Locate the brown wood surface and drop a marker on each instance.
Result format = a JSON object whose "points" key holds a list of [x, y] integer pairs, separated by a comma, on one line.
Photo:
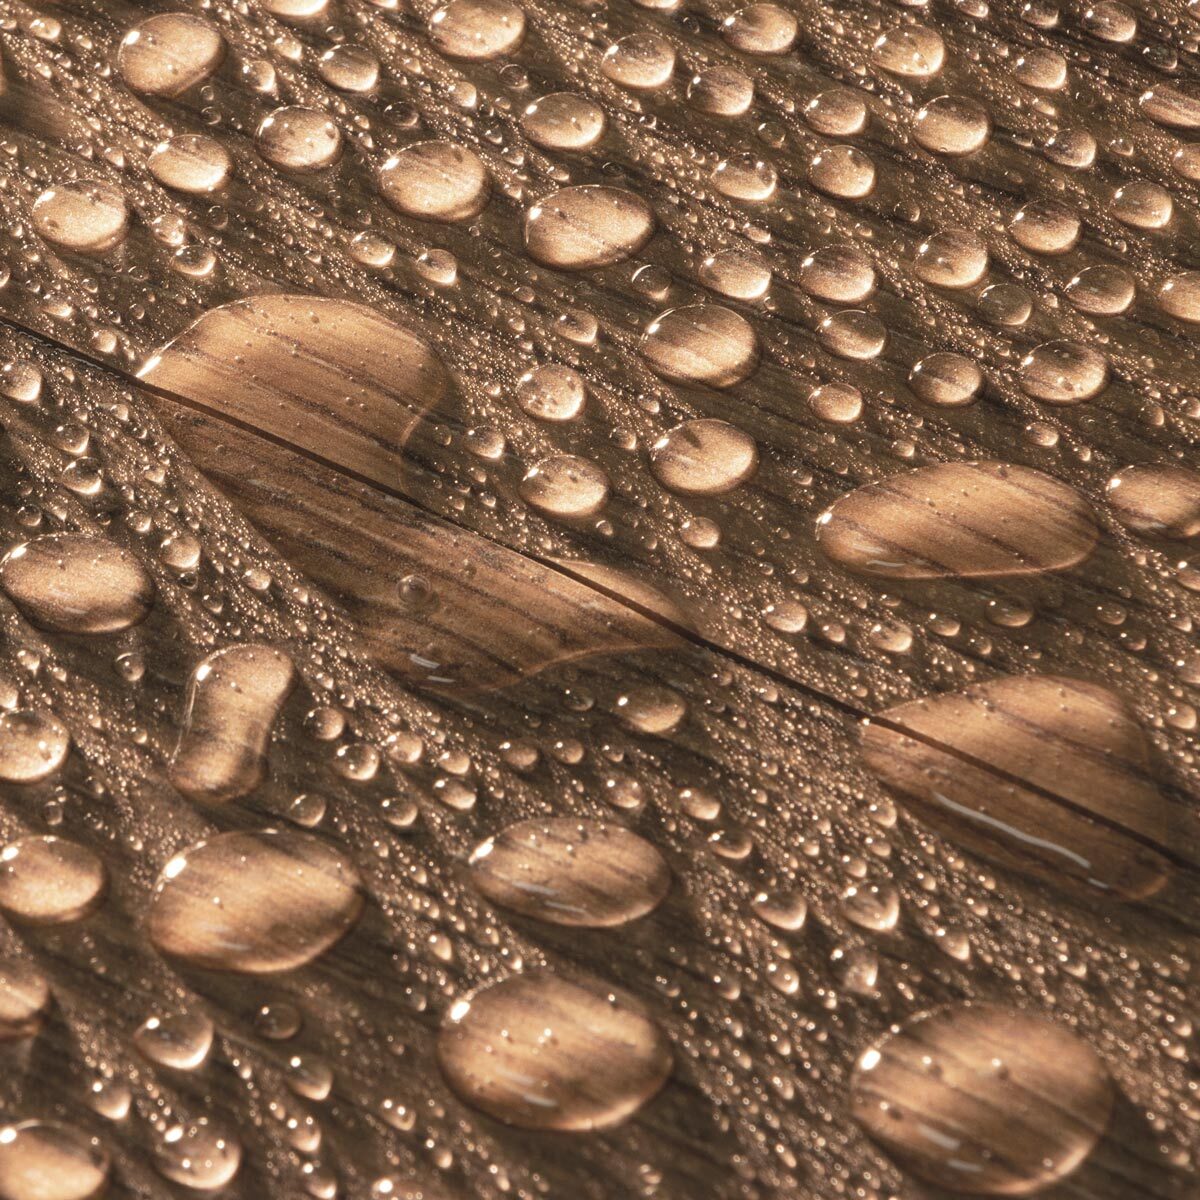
{"points": [[463, 662]]}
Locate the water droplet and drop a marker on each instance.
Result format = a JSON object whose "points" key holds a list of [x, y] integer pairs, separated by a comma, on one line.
{"points": [[964, 520], [234, 696], [1160, 500], [761, 29], [77, 583], [984, 1100], [652, 709], [254, 903], [165, 55], [639, 61], [436, 181], [565, 486], [571, 872], [915, 51], [563, 121], [180, 1041], [192, 163], [1063, 372], [704, 457], [43, 1160], [85, 217], [981, 762], [33, 745], [701, 343], [578, 228], [199, 1155], [552, 393], [298, 139], [951, 258], [25, 999], [947, 380], [45, 880], [540, 1053], [952, 125], [477, 30]]}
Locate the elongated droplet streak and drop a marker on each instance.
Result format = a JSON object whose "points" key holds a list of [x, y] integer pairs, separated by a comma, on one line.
{"points": [[983, 759], [984, 1100], [254, 903], [540, 1053], [233, 699], [981, 520], [571, 872]]}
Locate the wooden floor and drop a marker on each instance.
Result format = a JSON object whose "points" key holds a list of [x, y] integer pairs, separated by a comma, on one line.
{"points": [[634, 644]]}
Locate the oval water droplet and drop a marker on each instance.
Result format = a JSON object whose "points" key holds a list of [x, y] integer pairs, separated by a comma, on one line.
{"points": [[579, 228], [960, 520], [45, 880], [1160, 500], [436, 181], [571, 872], [33, 745], [701, 343], [985, 765], [539, 1052], [254, 903], [77, 583], [45, 1160], [704, 457], [167, 54], [984, 1100]]}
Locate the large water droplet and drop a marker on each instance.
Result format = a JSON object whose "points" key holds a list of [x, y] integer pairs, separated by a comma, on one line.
{"points": [[88, 218], [77, 583], [45, 880], [577, 228], [436, 181], [254, 902], [701, 343], [43, 1160], [985, 764], [959, 520], [33, 745], [704, 457], [541, 1053], [984, 1100], [169, 53], [477, 30], [571, 872]]}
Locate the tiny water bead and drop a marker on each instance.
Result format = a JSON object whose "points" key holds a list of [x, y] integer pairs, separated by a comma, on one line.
{"points": [[564, 121], [566, 486], [539, 1052], [46, 1160], [477, 30], [571, 872], [984, 1100], [77, 583], [1163, 501], [436, 181], [233, 698], [84, 217], [701, 343], [254, 903], [46, 880], [983, 765], [959, 520], [704, 457], [299, 139], [33, 745], [165, 55], [579, 228]]}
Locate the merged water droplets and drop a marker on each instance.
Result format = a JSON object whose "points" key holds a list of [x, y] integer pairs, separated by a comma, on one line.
{"points": [[960, 520], [255, 903], [984, 1100], [77, 583], [540, 1052], [571, 872], [233, 698], [578, 228]]}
